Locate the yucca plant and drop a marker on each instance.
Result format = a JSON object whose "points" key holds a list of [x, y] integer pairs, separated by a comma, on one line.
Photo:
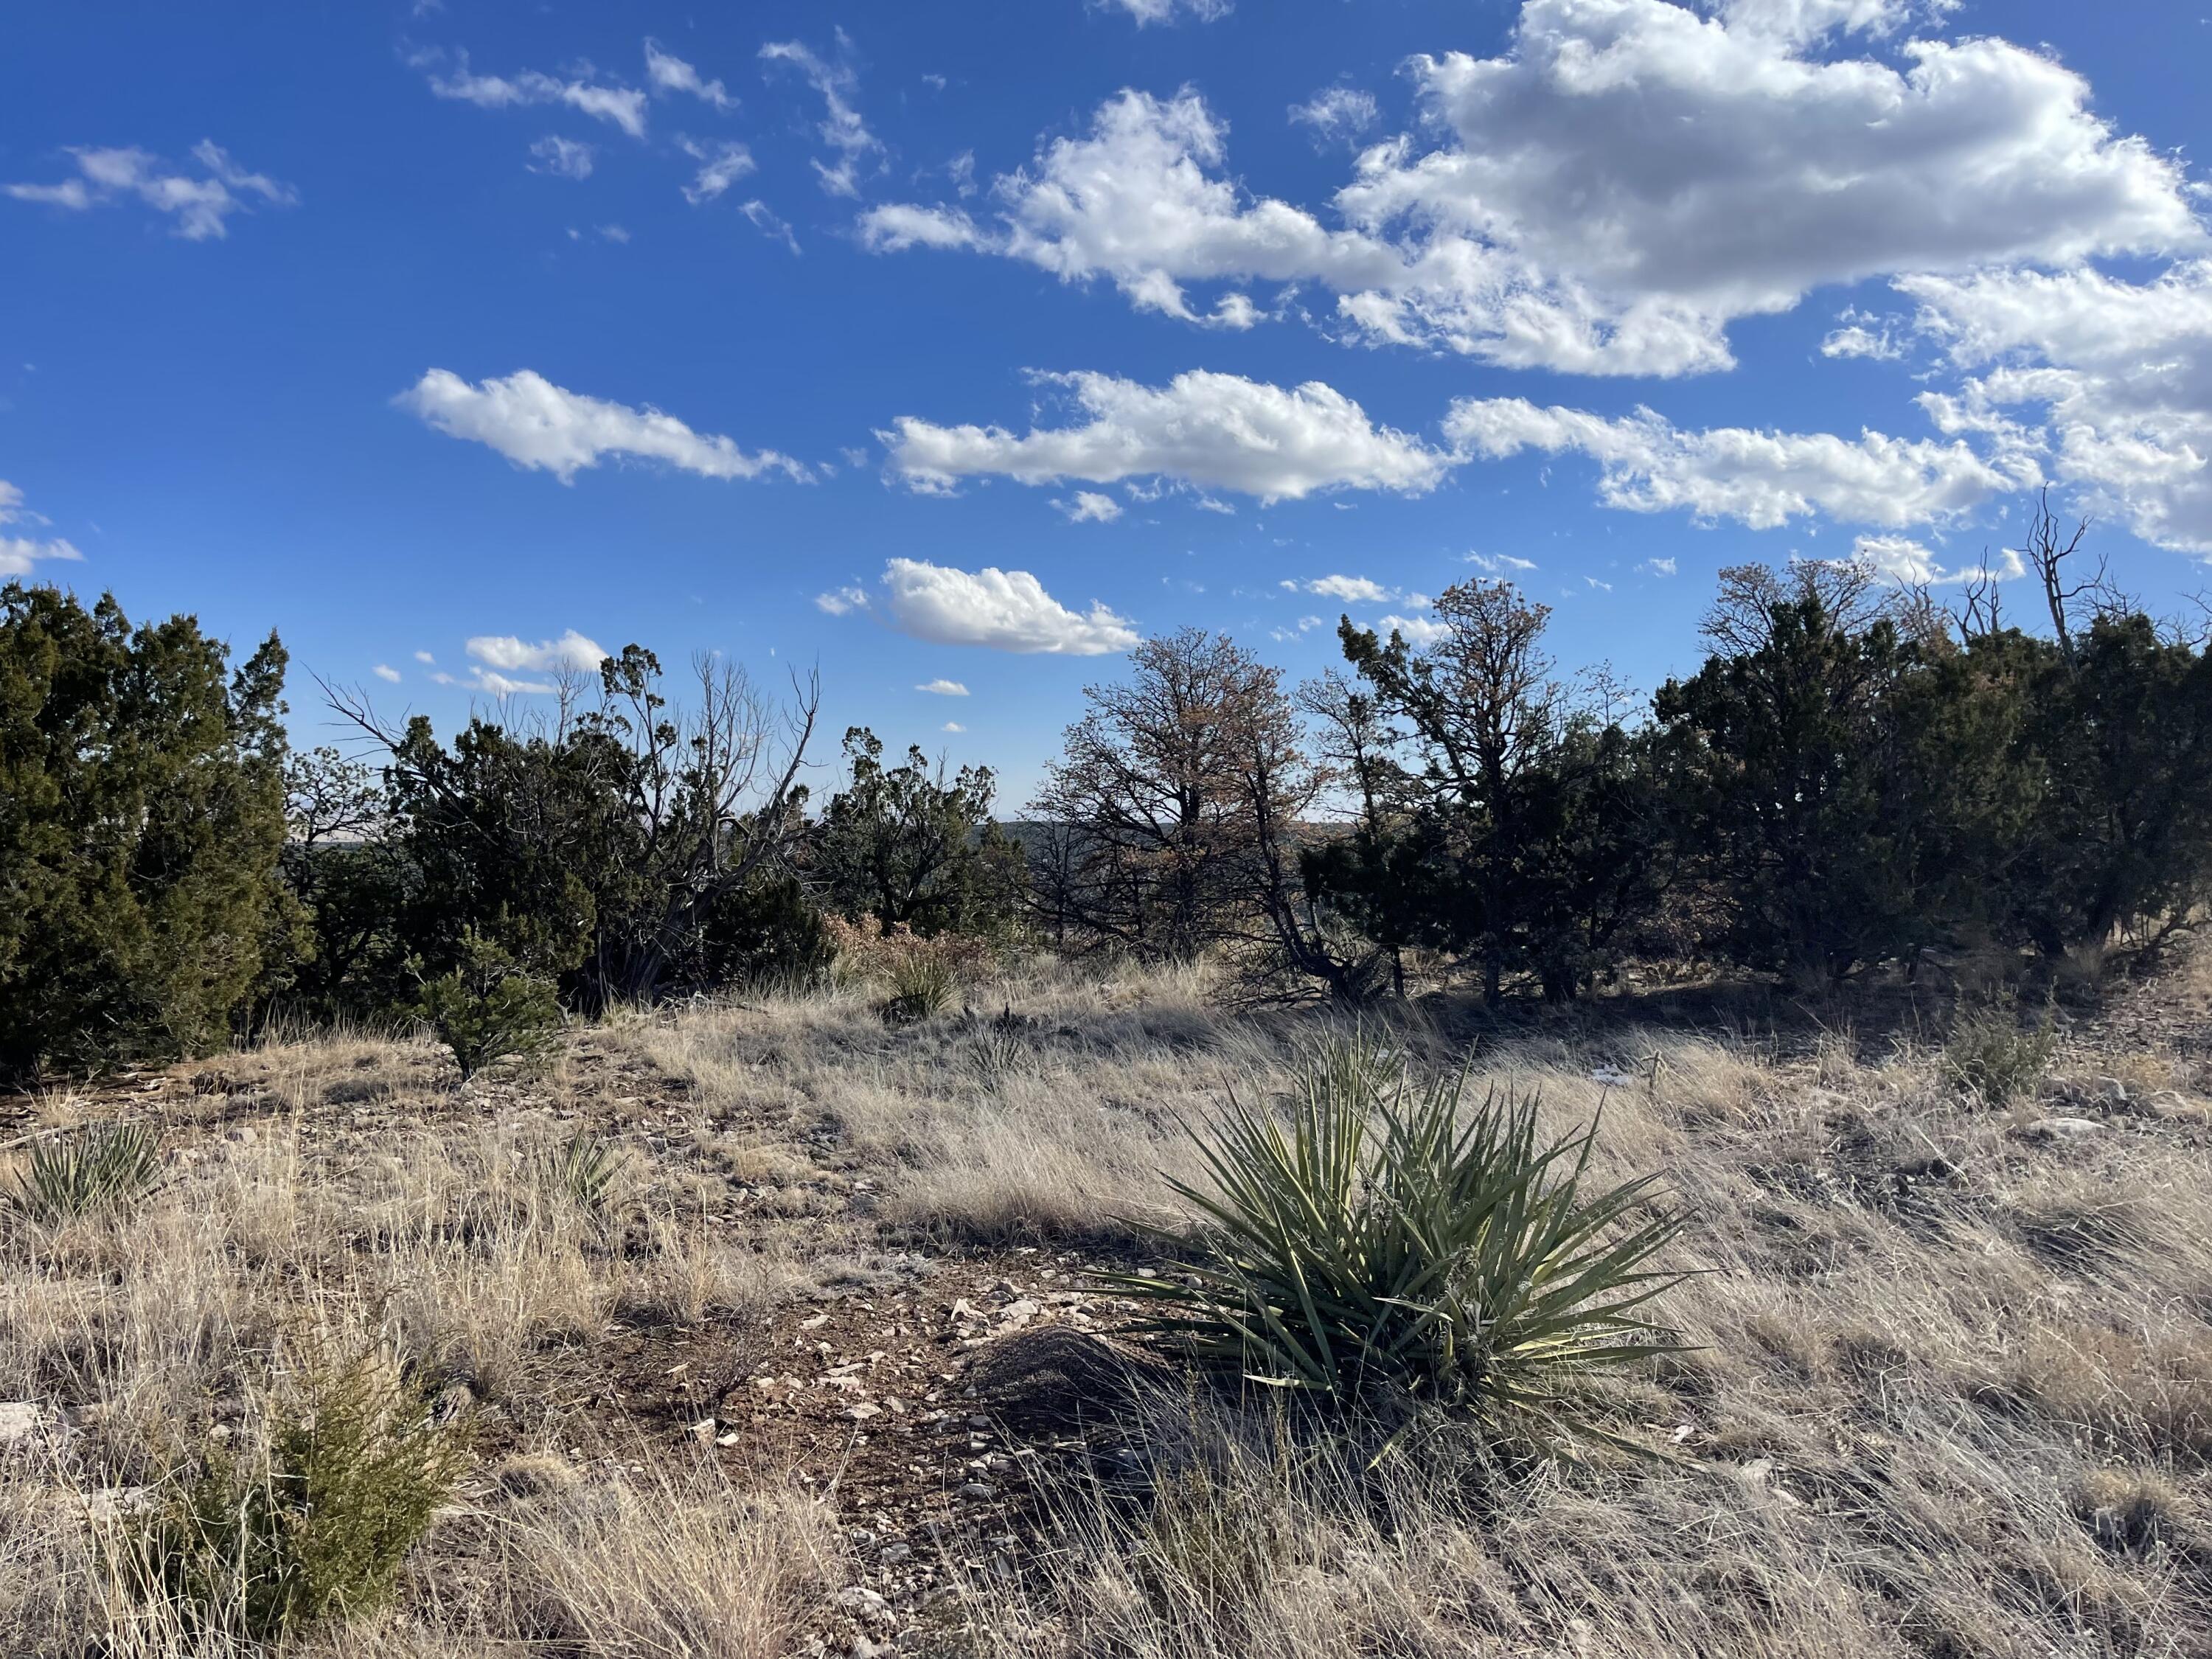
{"points": [[922, 983], [94, 1169], [590, 1168], [1374, 1237]]}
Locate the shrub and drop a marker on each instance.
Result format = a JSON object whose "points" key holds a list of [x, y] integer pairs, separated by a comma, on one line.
{"points": [[589, 1169], [1383, 1240], [1991, 1054], [925, 973], [93, 1170], [319, 1528], [488, 1009]]}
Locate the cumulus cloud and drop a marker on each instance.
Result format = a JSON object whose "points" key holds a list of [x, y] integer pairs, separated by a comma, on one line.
{"points": [[842, 130], [612, 102], [1089, 507], [507, 652], [19, 553], [1658, 567], [943, 689], [564, 157], [2110, 379], [1902, 560], [537, 424], [1135, 202], [197, 206], [1353, 590], [1760, 479], [1417, 630], [670, 73], [720, 165], [1003, 609], [1627, 178], [1337, 112], [1857, 334], [386, 672], [1209, 430], [999, 609], [954, 726]]}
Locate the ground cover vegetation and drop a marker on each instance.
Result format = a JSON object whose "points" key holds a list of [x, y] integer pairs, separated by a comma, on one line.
{"points": [[1443, 1159]]}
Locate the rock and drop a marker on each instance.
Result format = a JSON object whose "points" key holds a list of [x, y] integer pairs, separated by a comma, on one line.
{"points": [[702, 1430], [977, 1489], [863, 1412], [113, 1503], [19, 1421], [2064, 1128], [863, 1603]]}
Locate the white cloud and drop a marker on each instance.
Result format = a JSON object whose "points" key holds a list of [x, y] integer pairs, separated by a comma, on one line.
{"points": [[1417, 630], [1001, 609], [1499, 564], [1166, 11], [1627, 179], [897, 226], [1599, 587], [537, 424], [565, 157], [424, 657], [843, 601], [19, 553], [954, 726], [505, 652], [1658, 567], [622, 106], [1353, 590], [1132, 202], [1209, 430], [197, 206], [765, 221], [841, 128], [669, 73], [1860, 335], [386, 672], [1760, 479], [2113, 378], [1089, 507], [944, 689], [720, 165], [1337, 112], [1902, 560]]}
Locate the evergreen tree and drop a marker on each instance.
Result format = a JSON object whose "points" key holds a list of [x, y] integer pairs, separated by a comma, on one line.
{"points": [[141, 813]]}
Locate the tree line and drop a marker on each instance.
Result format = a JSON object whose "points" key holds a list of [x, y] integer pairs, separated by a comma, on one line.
{"points": [[1856, 775]]}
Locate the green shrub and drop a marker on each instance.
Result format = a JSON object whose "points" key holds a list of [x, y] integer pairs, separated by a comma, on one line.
{"points": [[1991, 1054], [93, 1170], [1383, 1240], [319, 1527], [488, 1009], [588, 1168]]}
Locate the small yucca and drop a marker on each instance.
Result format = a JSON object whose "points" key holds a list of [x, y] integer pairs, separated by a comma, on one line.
{"points": [[589, 1169], [1374, 1237], [93, 1170]]}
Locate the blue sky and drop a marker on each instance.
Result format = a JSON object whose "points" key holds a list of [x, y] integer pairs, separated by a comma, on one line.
{"points": [[960, 345]]}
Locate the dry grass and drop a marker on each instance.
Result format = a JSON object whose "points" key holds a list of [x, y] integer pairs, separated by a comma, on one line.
{"points": [[1953, 1395]]}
